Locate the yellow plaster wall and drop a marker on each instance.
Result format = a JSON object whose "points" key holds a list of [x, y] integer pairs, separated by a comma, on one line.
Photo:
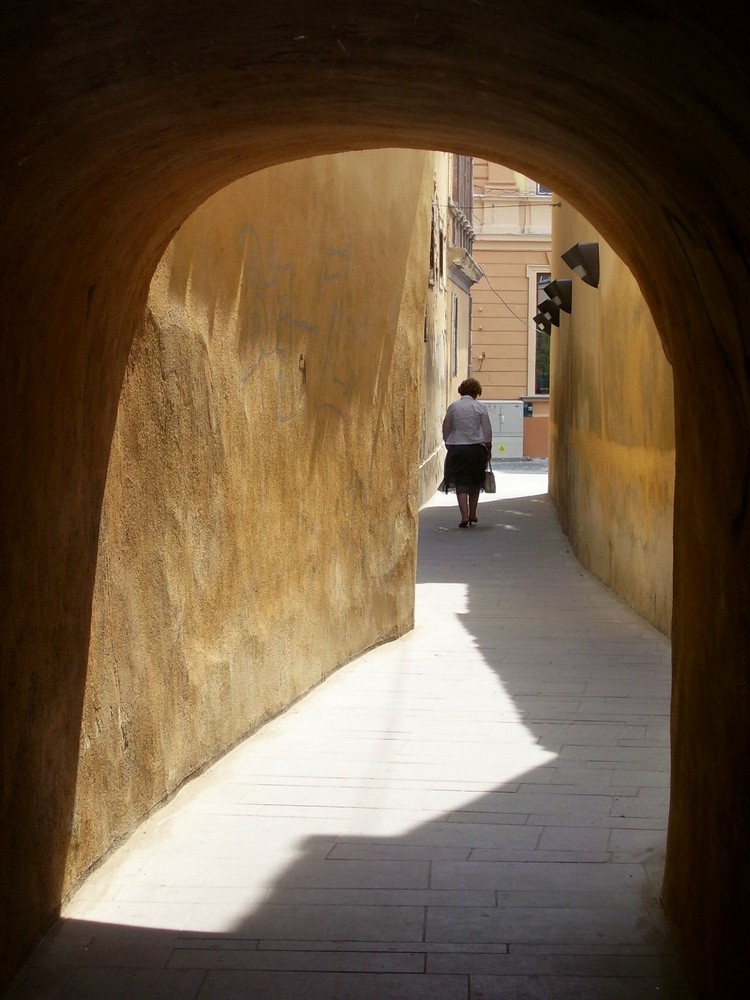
{"points": [[259, 517], [436, 347], [612, 429]]}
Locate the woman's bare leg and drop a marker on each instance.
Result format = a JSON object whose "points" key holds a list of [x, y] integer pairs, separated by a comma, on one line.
{"points": [[473, 501], [463, 506]]}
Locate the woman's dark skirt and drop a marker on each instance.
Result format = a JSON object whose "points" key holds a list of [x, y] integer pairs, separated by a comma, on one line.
{"points": [[464, 469]]}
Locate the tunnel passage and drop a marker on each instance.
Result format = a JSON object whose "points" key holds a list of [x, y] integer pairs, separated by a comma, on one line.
{"points": [[128, 120]]}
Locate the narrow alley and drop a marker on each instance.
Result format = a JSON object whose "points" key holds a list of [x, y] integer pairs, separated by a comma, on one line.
{"points": [[476, 810]]}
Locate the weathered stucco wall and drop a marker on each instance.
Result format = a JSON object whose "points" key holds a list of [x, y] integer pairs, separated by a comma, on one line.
{"points": [[612, 429], [446, 360], [259, 517], [436, 340]]}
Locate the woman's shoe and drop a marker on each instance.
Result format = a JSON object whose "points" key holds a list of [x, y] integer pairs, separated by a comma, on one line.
{"points": [[472, 520], [464, 524]]}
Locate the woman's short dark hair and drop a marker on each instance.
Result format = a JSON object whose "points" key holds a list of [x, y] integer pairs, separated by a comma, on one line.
{"points": [[470, 387]]}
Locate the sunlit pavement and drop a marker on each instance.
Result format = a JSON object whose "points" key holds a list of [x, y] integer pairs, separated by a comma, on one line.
{"points": [[476, 810]]}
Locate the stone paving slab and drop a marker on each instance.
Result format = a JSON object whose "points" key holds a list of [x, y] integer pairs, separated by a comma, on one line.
{"points": [[476, 811], [571, 988], [327, 986]]}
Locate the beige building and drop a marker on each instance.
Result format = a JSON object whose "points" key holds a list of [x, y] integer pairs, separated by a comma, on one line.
{"points": [[512, 222]]}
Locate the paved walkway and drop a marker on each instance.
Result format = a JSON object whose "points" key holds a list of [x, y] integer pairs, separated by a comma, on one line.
{"points": [[473, 812]]}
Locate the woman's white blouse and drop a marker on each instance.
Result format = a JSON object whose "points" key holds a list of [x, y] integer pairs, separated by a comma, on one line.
{"points": [[466, 422]]}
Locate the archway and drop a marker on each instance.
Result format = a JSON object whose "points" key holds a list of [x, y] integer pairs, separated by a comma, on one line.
{"points": [[125, 125]]}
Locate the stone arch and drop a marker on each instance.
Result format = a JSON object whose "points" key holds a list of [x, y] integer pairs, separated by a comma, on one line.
{"points": [[123, 122]]}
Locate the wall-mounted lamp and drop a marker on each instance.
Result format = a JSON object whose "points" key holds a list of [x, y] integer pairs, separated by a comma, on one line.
{"points": [[561, 293], [550, 310], [543, 323], [583, 258]]}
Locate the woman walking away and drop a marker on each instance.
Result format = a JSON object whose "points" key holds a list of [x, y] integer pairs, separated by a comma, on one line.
{"points": [[468, 438]]}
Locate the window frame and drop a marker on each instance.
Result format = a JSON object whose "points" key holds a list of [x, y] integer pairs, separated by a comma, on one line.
{"points": [[533, 273]]}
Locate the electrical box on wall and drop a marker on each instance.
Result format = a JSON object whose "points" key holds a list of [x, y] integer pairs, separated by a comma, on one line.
{"points": [[506, 419]]}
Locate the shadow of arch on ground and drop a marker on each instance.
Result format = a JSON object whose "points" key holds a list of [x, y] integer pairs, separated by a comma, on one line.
{"points": [[475, 810]]}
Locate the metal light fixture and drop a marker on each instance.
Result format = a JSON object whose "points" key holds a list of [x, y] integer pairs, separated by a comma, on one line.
{"points": [[583, 258], [543, 323], [550, 310], [561, 293]]}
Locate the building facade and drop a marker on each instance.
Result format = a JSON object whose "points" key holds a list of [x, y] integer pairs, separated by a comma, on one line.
{"points": [[453, 272], [612, 426], [256, 345], [509, 356]]}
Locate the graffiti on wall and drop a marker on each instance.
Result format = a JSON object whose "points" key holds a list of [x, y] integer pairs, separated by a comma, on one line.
{"points": [[307, 333]]}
